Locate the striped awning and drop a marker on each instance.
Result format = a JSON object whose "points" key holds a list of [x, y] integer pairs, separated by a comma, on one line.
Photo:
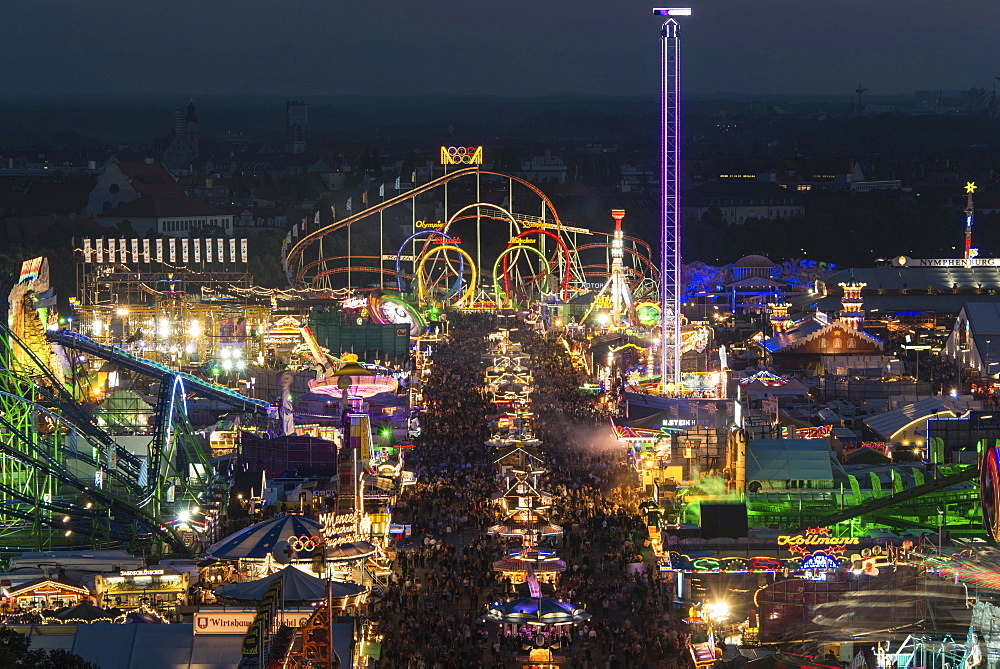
{"points": [[256, 541], [350, 551]]}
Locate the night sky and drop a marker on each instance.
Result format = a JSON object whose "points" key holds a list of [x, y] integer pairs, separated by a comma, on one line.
{"points": [[511, 48]]}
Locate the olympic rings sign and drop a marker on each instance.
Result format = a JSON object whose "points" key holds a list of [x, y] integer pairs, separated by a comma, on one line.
{"points": [[305, 543], [461, 155]]}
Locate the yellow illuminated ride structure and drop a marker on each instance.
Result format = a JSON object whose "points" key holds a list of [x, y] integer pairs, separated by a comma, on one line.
{"points": [[534, 255]]}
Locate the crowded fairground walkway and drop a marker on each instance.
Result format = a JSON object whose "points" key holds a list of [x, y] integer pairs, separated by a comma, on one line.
{"points": [[536, 478]]}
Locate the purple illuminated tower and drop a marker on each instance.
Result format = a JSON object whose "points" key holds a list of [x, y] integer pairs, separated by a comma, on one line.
{"points": [[670, 198]]}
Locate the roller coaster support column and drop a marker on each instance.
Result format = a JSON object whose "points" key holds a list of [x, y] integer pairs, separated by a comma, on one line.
{"points": [[670, 198]]}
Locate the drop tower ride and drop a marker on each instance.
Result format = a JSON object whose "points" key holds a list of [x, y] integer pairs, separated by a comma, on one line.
{"points": [[670, 198]]}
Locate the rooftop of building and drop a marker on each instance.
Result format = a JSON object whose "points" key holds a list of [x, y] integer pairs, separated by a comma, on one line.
{"points": [[754, 262], [150, 177], [163, 206], [809, 328]]}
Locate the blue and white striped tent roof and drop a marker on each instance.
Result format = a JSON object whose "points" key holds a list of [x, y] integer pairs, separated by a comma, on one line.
{"points": [[256, 541]]}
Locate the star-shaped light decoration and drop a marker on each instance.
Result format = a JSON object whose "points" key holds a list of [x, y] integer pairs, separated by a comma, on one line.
{"points": [[970, 187]]}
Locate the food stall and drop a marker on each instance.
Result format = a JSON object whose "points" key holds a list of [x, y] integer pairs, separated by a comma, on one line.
{"points": [[42, 593]]}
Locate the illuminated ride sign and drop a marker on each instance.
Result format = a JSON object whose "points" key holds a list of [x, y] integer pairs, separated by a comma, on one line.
{"points": [[816, 536], [820, 560], [461, 155]]}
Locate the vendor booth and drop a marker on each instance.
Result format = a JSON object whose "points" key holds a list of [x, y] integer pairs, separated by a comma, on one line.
{"points": [[43, 593], [161, 588]]}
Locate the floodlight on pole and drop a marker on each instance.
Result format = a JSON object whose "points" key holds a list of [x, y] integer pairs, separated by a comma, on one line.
{"points": [[670, 197]]}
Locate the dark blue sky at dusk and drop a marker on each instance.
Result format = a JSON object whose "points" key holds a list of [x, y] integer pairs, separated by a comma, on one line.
{"points": [[510, 48]]}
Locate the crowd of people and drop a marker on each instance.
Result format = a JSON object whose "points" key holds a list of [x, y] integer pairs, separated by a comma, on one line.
{"points": [[444, 577]]}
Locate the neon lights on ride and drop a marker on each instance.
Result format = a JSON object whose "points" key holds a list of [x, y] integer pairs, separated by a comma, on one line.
{"points": [[970, 253], [648, 313], [764, 564], [423, 295], [670, 197], [520, 238], [820, 560], [293, 259], [989, 492], [402, 247], [503, 296]]}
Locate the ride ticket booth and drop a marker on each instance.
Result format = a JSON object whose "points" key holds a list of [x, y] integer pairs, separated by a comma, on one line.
{"points": [[161, 588]]}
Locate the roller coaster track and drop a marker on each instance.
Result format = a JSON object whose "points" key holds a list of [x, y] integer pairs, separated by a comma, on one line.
{"points": [[906, 495], [173, 384], [297, 276], [36, 471], [155, 370], [40, 456]]}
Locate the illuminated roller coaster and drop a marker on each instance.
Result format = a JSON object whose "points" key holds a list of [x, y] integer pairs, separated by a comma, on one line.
{"points": [[65, 482], [515, 261]]}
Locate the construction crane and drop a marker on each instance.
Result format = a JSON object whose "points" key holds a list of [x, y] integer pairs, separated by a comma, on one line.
{"points": [[860, 91]]}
